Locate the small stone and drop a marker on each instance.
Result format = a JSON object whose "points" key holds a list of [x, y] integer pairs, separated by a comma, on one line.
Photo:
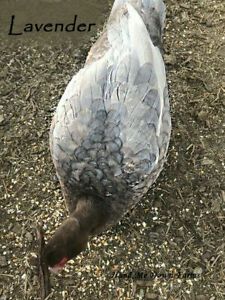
{"points": [[202, 189], [197, 271], [4, 89], [209, 23], [223, 195], [35, 280], [170, 59], [216, 207], [207, 256], [24, 276], [33, 261], [29, 237], [2, 119], [185, 5], [184, 16], [142, 294], [3, 74], [202, 115], [207, 162], [16, 229], [3, 262], [69, 281], [151, 296], [10, 227]]}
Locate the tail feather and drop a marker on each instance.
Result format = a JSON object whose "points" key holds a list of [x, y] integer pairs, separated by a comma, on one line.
{"points": [[153, 13]]}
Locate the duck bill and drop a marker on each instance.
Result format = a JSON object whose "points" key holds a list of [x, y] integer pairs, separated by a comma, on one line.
{"points": [[58, 267]]}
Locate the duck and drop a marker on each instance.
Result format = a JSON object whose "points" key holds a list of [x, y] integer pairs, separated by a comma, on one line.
{"points": [[110, 133]]}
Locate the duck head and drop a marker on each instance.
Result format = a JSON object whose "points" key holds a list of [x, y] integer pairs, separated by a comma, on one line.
{"points": [[67, 242], [89, 218]]}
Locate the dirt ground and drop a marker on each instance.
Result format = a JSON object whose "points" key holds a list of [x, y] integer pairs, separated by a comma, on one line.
{"points": [[178, 229]]}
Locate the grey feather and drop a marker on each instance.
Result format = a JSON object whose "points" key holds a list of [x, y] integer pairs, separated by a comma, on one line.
{"points": [[111, 129]]}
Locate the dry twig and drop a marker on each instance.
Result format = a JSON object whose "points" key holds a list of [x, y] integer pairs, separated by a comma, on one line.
{"points": [[44, 276]]}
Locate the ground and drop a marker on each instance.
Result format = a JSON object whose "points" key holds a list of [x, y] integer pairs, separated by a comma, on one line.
{"points": [[178, 229]]}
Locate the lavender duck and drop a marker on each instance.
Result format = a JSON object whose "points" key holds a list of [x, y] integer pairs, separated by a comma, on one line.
{"points": [[110, 133]]}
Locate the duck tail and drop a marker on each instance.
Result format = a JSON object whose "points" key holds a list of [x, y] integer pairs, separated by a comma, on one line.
{"points": [[153, 13]]}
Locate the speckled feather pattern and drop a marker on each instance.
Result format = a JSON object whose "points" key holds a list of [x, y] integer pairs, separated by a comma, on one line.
{"points": [[111, 130]]}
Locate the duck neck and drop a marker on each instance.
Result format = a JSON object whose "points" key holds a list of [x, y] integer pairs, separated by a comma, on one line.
{"points": [[92, 214]]}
